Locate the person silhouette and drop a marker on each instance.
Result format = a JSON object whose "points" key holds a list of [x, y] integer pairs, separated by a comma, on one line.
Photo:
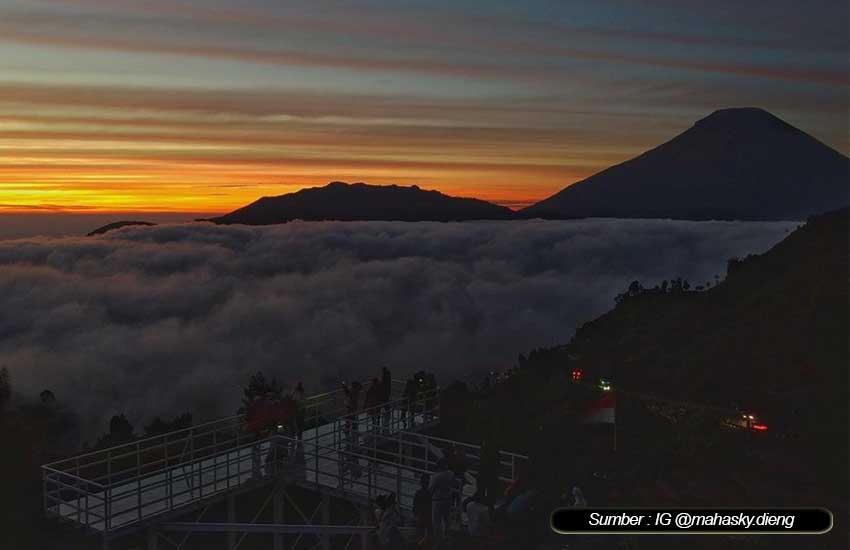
{"points": [[298, 398], [387, 387]]}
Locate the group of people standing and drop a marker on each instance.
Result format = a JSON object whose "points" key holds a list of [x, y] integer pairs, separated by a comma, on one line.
{"points": [[493, 508], [438, 495], [432, 508], [376, 402], [269, 414]]}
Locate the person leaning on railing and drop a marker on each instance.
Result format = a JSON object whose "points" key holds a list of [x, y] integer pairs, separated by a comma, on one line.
{"points": [[266, 416], [374, 396], [254, 423], [283, 421], [487, 480], [298, 399], [389, 521], [422, 513], [387, 389], [411, 391], [442, 486], [352, 404]]}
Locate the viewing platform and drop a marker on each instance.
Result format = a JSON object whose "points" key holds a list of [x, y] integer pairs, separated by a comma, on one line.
{"points": [[356, 457]]}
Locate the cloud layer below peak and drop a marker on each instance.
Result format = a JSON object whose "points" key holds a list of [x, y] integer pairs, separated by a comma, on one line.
{"points": [[155, 321]]}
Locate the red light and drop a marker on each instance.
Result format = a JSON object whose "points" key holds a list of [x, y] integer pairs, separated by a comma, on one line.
{"points": [[577, 374], [760, 427]]}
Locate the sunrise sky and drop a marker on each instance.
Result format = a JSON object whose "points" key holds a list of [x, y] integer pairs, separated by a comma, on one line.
{"points": [[204, 105]]}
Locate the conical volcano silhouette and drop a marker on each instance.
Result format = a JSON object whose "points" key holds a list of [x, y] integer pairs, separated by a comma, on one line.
{"points": [[742, 163]]}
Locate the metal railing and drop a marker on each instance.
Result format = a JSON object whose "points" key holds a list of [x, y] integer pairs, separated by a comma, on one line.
{"points": [[358, 445], [362, 454], [107, 507], [187, 444], [335, 457], [509, 464], [110, 488], [390, 417]]}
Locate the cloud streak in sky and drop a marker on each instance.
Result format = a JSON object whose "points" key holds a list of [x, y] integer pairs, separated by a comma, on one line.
{"points": [[154, 321], [477, 98]]}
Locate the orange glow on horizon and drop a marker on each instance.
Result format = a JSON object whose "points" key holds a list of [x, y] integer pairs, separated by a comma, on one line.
{"points": [[95, 201], [124, 149], [66, 185]]}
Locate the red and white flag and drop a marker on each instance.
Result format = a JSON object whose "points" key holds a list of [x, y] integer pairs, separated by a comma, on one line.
{"points": [[601, 411]]}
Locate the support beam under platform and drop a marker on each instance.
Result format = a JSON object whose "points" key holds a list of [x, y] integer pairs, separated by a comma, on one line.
{"points": [[266, 528], [277, 517], [326, 518], [231, 517]]}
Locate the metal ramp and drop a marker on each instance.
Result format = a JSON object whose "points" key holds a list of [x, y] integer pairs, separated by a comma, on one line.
{"points": [[110, 489], [355, 457]]}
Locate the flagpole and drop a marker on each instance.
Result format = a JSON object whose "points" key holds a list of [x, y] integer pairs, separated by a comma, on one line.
{"points": [[615, 425]]}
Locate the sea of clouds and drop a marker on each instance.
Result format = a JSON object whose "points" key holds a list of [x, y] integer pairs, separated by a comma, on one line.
{"points": [[160, 320]]}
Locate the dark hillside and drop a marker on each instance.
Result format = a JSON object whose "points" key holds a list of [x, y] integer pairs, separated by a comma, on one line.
{"points": [[771, 339], [773, 335]]}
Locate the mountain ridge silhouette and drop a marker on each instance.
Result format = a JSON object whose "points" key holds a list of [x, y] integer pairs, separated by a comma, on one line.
{"points": [[364, 202]]}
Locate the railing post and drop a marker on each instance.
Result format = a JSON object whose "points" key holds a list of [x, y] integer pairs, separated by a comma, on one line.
{"points": [[139, 480], [200, 477], [44, 498], [107, 519], [108, 493], [231, 518], [169, 488], [277, 517], [340, 462], [326, 519], [76, 483]]}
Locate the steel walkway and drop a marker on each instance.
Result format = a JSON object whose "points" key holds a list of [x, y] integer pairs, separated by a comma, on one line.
{"points": [[354, 457]]}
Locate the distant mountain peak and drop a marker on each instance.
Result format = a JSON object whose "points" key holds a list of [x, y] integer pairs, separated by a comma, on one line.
{"points": [[117, 225], [735, 164], [361, 201], [750, 119], [741, 112]]}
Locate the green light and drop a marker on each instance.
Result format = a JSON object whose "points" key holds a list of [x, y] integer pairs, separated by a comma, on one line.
{"points": [[604, 384]]}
